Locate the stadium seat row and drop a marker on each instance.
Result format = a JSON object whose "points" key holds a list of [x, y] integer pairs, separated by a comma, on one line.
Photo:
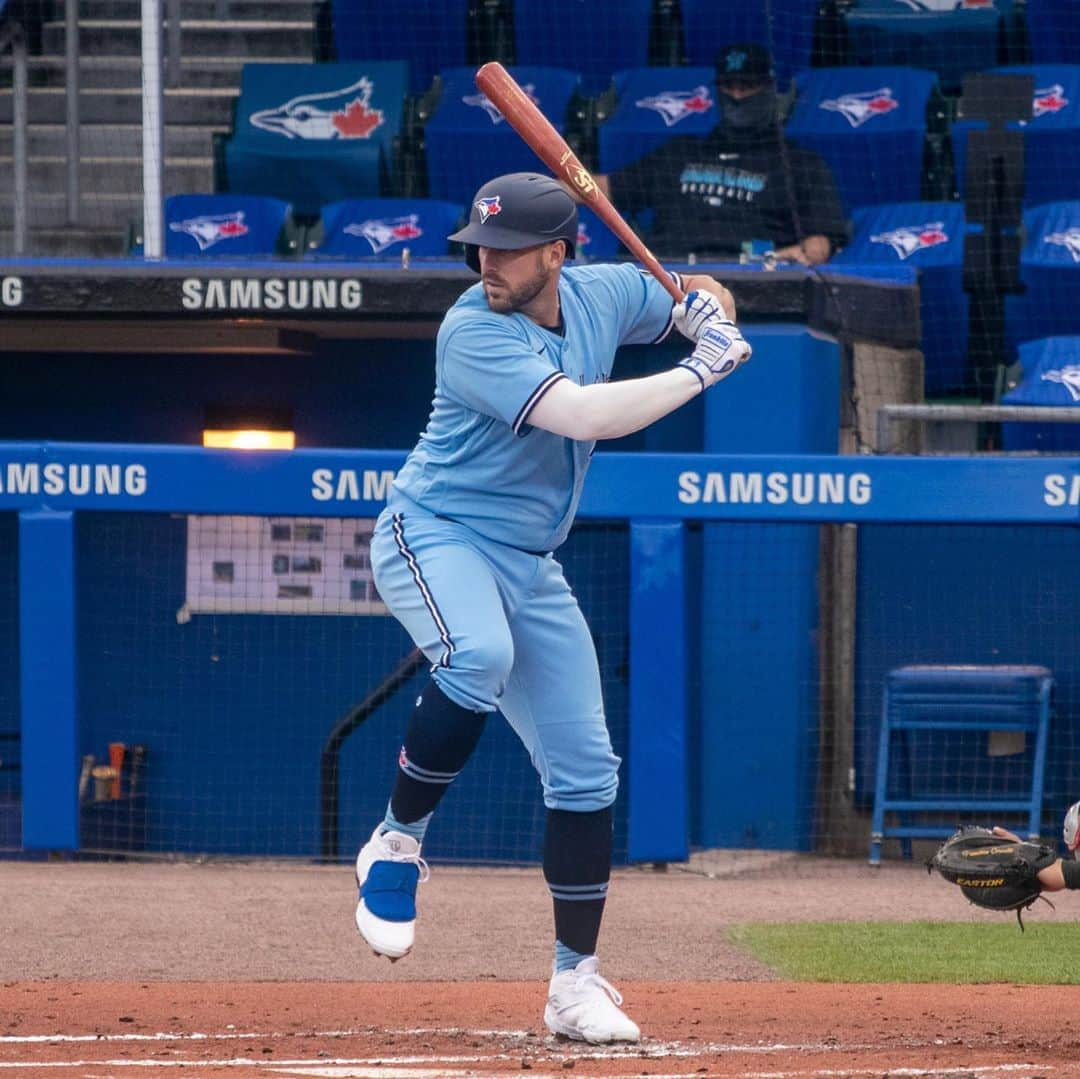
{"points": [[948, 37], [318, 133], [245, 227]]}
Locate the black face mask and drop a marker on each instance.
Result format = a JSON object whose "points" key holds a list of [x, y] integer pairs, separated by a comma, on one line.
{"points": [[753, 115]]}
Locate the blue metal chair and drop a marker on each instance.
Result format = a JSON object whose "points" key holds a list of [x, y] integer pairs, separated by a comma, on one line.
{"points": [[961, 699]]}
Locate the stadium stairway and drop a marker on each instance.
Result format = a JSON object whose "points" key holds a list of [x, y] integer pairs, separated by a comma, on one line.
{"points": [[217, 38]]}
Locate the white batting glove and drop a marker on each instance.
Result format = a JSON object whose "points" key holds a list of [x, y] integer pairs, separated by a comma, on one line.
{"points": [[698, 310], [719, 351]]}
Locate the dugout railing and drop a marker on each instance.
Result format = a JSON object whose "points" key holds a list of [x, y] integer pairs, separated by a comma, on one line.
{"points": [[677, 509]]}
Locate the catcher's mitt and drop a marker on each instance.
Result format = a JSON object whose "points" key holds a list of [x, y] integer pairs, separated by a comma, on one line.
{"points": [[995, 873]]}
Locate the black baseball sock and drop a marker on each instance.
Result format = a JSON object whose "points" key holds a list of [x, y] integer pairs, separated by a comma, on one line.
{"points": [[577, 865], [439, 739]]}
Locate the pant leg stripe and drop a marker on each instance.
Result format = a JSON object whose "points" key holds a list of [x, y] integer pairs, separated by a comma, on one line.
{"points": [[425, 775], [578, 892], [429, 600]]}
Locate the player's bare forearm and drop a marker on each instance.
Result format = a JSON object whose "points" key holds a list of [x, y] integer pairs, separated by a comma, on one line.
{"points": [[612, 409]]}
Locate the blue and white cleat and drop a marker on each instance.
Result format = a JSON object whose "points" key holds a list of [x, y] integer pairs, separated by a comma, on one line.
{"points": [[388, 869]]}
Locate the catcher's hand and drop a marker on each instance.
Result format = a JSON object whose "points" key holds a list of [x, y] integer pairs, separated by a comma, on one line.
{"points": [[993, 871]]}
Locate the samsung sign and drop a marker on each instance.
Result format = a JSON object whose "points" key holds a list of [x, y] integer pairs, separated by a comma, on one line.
{"points": [[775, 488], [271, 294], [54, 478]]}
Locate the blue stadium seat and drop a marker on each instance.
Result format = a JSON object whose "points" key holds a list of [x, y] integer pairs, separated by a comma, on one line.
{"points": [[315, 133], [930, 237], [652, 105], [595, 241], [595, 40], [1051, 136], [952, 42], [1051, 377], [224, 226], [382, 228], [709, 26], [1052, 31], [1050, 274], [870, 126], [428, 35], [930, 710], [467, 139]]}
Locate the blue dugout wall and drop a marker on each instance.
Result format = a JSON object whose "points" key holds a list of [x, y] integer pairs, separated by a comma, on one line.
{"points": [[662, 496]]}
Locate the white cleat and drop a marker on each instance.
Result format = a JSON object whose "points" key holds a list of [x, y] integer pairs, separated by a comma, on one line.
{"points": [[583, 1006], [388, 869]]}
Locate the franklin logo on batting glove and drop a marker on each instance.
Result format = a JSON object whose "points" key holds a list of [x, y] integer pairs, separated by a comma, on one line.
{"points": [[718, 353]]}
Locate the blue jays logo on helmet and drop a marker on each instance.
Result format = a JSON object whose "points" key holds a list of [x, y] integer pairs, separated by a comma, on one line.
{"points": [[209, 229], [482, 101], [858, 108], [335, 114], [488, 207], [908, 239], [676, 105], [1069, 377], [384, 232], [1069, 239], [1049, 100]]}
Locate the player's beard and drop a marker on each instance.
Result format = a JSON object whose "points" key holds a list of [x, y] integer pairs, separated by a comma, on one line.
{"points": [[514, 299]]}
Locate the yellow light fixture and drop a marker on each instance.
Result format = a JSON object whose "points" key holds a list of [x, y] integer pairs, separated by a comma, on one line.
{"points": [[249, 439]]}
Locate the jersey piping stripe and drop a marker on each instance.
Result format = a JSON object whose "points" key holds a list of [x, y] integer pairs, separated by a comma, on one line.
{"points": [[671, 321], [425, 592], [534, 399]]}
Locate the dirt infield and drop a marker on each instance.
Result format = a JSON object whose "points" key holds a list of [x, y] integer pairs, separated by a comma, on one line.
{"points": [[154, 970]]}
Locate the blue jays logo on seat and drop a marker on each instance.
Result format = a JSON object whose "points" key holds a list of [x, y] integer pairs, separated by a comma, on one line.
{"points": [[676, 105], [1069, 239], [858, 108], [384, 232], [482, 101], [209, 229], [928, 6], [1051, 99], [1068, 376], [488, 207], [334, 114], [908, 239]]}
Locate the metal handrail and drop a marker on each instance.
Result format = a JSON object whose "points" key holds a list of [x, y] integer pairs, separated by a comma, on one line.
{"points": [[968, 414]]}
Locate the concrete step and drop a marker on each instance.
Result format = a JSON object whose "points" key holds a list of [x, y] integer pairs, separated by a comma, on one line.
{"points": [[46, 105], [297, 10], [198, 37], [119, 174], [125, 72], [110, 140], [70, 242], [98, 210]]}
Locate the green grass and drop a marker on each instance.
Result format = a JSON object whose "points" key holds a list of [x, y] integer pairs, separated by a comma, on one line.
{"points": [[1047, 954]]}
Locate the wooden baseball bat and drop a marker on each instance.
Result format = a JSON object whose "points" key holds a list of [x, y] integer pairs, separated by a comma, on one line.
{"points": [[538, 133]]}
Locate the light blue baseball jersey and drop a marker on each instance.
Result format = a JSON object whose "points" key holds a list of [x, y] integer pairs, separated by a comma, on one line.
{"points": [[479, 462]]}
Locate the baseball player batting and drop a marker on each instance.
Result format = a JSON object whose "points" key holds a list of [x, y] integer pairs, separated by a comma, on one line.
{"points": [[463, 555]]}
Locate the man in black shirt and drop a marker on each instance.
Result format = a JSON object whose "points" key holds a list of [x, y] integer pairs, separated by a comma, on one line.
{"points": [[742, 182]]}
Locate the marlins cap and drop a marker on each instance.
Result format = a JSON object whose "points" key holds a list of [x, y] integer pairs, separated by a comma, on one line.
{"points": [[745, 63]]}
